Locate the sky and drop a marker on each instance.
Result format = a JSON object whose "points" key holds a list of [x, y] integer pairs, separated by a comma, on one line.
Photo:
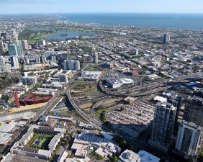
{"points": [[100, 6]]}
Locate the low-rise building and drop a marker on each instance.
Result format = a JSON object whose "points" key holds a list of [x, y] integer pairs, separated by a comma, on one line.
{"points": [[20, 146], [90, 75]]}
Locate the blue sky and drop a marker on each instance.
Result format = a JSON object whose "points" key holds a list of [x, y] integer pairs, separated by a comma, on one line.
{"points": [[100, 6]]}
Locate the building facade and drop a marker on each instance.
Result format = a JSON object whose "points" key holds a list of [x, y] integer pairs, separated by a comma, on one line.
{"points": [[15, 49], [24, 44], [193, 110], [29, 79], [166, 38], [163, 125], [189, 139], [71, 65], [95, 58], [42, 42], [14, 62]]}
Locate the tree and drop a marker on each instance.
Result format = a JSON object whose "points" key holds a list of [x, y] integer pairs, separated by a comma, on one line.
{"points": [[115, 159], [201, 154], [122, 108]]}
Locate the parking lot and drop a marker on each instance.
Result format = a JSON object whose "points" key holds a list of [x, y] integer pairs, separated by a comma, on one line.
{"points": [[133, 120]]}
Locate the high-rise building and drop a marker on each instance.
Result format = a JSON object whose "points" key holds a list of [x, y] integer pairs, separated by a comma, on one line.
{"points": [[95, 57], [162, 130], [71, 65], [24, 44], [2, 46], [189, 139], [134, 51], [193, 110], [14, 62], [63, 78], [15, 49], [42, 42], [166, 38], [43, 59], [2, 60]]}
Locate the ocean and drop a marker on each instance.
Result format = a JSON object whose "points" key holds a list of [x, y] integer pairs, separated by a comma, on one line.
{"points": [[177, 21]]}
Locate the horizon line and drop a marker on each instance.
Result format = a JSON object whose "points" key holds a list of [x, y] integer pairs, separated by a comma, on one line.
{"points": [[99, 13]]}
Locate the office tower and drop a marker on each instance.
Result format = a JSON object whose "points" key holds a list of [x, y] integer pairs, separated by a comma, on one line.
{"points": [[2, 46], [14, 62], [71, 65], [193, 110], [95, 58], [12, 49], [43, 59], [189, 139], [42, 42], [19, 48], [24, 44], [134, 51], [2, 61], [53, 57], [63, 78], [176, 102], [14, 35], [162, 130], [15, 49], [166, 38]]}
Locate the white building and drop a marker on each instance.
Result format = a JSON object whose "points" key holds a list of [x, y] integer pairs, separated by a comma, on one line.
{"points": [[24, 44], [90, 75], [129, 156], [62, 157]]}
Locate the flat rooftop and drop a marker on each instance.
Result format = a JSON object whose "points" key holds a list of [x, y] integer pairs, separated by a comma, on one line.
{"points": [[25, 116]]}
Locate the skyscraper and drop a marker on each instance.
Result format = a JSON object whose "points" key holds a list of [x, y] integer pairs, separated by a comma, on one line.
{"points": [[24, 44], [95, 58], [15, 49], [2, 46], [14, 62], [189, 139], [42, 42], [166, 38], [193, 110], [71, 65], [163, 125]]}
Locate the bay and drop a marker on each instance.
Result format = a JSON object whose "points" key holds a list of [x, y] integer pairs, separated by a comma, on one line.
{"points": [[177, 21]]}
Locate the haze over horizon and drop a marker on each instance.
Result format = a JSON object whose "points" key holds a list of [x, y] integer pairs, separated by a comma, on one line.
{"points": [[100, 6]]}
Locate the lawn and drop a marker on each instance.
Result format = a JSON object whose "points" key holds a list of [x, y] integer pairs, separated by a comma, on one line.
{"points": [[83, 88], [93, 68], [40, 141]]}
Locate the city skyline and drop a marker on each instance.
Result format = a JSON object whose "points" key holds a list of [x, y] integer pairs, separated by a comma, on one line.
{"points": [[100, 6]]}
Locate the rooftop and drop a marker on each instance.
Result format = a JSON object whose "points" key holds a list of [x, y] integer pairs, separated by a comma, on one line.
{"points": [[147, 157], [25, 116]]}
